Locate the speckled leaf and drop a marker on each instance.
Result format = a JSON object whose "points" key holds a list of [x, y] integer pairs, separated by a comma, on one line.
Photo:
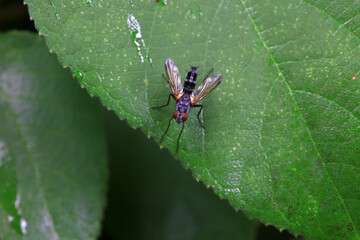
{"points": [[282, 131], [52, 147]]}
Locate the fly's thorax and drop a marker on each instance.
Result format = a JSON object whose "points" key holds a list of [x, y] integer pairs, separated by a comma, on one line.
{"points": [[184, 105]]}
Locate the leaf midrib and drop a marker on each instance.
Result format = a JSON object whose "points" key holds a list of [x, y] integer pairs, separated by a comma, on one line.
{"points": [[13, 115], [300, 112]]}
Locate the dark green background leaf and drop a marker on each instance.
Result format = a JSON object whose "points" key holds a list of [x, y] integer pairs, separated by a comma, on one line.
{"points": [[52, 147], [282, 131], [152, 197]]}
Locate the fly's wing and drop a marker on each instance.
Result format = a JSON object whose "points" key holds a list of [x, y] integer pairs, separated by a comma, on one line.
{"points": [[205, 88], [173, 75]]}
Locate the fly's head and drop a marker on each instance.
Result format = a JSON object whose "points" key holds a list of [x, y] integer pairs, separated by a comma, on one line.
{"points": [[179, 116]]}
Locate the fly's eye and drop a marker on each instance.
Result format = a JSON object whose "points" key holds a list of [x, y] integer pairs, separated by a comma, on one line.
{"points": [[175, 114], [184, 116]]}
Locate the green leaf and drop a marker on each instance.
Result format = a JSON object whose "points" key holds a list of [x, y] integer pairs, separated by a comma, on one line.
{"points": [[52, 147], [162, 201], [282, 131]]}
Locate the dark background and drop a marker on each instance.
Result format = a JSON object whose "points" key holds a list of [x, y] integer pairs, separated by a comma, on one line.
{"points": [[143, 177]]}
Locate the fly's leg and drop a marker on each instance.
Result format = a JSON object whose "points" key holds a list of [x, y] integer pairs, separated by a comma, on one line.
{"points": [[162, 138], [171, 95], [210, 72], [198, 115], [177, 146], [165, 78]]}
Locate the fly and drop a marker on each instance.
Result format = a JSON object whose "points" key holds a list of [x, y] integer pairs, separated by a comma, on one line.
{"points": [[185, 96]]}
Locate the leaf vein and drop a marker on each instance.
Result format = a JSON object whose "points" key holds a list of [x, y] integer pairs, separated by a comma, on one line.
{"points": [[299, 111]]}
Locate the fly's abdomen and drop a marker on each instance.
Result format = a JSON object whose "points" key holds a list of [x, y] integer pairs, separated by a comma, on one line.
{"points": [[190, 81]]}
